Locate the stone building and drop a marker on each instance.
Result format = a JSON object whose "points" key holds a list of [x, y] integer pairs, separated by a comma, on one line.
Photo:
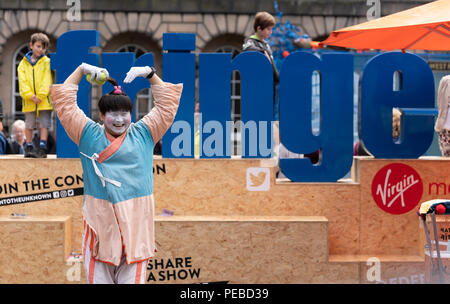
{"points": [[138, 26]]}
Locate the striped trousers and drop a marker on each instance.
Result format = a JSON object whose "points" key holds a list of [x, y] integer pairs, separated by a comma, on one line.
{"points": [[98, 272]]}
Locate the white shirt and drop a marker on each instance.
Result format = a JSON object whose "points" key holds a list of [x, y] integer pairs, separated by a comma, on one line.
{"points": [[447, 120]]}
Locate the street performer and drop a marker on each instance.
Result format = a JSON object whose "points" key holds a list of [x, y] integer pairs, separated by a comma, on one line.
{"points": [[117, 161]]}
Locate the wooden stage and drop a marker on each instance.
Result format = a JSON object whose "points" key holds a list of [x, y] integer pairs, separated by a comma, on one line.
{"points": [[211, 228]]}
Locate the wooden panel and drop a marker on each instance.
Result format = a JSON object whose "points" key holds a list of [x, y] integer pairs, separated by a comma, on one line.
{"points": [[24, 177], [383, 233], [357, 227], [34, 249], [244, 249], [219, 187]]}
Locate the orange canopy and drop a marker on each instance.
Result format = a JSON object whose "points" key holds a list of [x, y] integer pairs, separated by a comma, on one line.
{"points": [[426, 27]]}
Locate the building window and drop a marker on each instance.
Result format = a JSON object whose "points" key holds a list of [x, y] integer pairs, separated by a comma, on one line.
{"points": [[235, 99], [144, 98], [16, 100]]}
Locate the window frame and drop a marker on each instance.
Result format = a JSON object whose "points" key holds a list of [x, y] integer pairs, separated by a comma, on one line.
{"points": [[15, 92]]}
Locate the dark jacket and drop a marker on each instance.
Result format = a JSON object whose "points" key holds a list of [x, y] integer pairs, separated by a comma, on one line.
{"points": [[14, 147], [3, 143], [252, 43]]}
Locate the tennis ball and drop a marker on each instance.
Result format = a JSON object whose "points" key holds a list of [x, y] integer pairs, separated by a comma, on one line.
{"points": [[99, 82]]}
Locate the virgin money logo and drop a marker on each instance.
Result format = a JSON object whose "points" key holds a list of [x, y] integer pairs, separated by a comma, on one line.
{"points": [[397, 188]]}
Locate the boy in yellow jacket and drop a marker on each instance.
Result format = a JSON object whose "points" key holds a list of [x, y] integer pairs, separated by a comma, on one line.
{"points": [[34, 85]]}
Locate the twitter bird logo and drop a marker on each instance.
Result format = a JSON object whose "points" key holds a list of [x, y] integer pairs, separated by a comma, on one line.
{"points": [[258, 179]]}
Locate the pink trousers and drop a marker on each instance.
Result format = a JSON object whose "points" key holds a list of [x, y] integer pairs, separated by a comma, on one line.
{"points": [[103, 273]]}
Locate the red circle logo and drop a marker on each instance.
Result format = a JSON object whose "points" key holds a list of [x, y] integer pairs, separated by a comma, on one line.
{"points": [[397, 188]]}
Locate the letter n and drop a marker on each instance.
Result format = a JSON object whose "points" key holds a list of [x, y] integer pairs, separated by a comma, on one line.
{"points": [[179, 67], [215, 70]]}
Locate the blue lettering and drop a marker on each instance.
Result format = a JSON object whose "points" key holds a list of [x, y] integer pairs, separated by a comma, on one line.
{"points": [[378, 98], [179, 67], [72, 49], [335, 140], [414, 97]]}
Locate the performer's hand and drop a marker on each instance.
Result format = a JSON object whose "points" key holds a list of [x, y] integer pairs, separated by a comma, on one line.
{"points": [[137, 72], [93, 70]]}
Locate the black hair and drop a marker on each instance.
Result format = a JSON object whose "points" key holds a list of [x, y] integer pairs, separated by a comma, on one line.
{"points": [[115, 101]]}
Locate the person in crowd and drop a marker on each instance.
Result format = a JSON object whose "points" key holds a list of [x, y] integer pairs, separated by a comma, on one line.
{"points": [[396, 116], [263, 25], [50, 147], [17, 139], [34, 81], [442, 125]]}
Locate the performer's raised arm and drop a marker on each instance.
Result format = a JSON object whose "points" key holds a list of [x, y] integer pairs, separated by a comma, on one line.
{"points": [[166, 98], [64, 98]]}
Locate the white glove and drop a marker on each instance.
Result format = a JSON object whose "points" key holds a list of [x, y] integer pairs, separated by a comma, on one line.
{"points": [[137, 72], [93, 70]]}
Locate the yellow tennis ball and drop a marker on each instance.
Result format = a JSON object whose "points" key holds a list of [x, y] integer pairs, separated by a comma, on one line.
{"points": [[99, 82]]}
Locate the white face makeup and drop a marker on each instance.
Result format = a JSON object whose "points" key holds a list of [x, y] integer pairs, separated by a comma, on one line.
{"points": [[117, 122]]}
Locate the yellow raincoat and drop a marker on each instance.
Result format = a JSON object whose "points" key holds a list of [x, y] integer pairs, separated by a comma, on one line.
{"points": [[35, 80]]}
